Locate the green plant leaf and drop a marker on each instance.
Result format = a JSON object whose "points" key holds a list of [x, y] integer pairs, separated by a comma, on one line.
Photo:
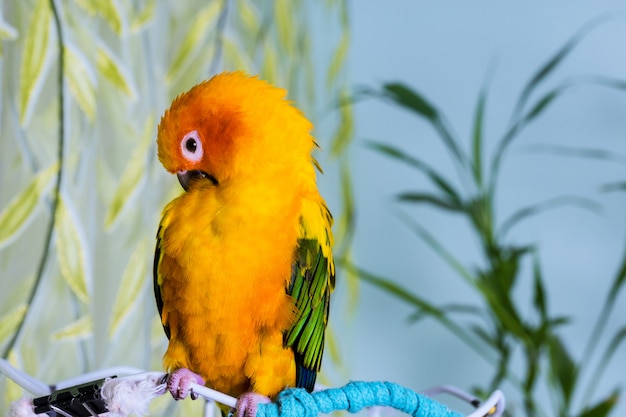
{"points": [[428, 198], [133, 282], [420, 165], [234, 56], [35, 58], [80, 329], [16, 215], [550, 204], [504, 311], [605, 360], [411, 100], [552, 63], [10, 320], [113, 71], [269, 67], [563, 369], [345, 129], [587, 153], [416, 103], [249, 16], [107, 10], [439, 249], [477, 137], [81, 80], [133, 177], [196, 36], [614, 186], [423, 305], [603, 408], [454, 308], [284, 25], [71, 253], [144, 16], [338, 59], [539, 296]]}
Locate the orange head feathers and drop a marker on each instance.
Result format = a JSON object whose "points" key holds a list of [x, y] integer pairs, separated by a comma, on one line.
{"points": [[220, 128]]}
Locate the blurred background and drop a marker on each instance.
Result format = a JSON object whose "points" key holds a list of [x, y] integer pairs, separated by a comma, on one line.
{"points": [[412, 102]]}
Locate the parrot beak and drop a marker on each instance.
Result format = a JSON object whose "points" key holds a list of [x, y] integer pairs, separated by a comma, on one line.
{"points": [[187, 177]]}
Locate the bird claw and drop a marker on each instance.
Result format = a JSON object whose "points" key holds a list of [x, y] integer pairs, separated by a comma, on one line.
{"points": [[179, 383], [248, 403]]}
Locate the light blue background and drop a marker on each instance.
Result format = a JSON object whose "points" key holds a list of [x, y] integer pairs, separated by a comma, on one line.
{"points": [[445, 49]]}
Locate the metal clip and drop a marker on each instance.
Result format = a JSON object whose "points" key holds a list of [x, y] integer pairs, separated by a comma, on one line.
{"points": [[78, 401]]}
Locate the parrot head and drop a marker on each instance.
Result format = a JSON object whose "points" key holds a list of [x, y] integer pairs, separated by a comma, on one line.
{"points": [[231, 127]]}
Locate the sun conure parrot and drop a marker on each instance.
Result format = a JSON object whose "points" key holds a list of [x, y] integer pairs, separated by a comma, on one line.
{"points": [[243, 269]]}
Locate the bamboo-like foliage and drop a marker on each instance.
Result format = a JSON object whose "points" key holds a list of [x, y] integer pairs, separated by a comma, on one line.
{"points": [[84, 83], [499, 327]]}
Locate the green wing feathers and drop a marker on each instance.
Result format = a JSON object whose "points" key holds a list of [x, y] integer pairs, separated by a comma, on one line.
{"points": [[312, 281]]}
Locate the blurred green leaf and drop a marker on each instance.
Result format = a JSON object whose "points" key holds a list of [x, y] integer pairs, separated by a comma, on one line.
{"points": [[550, 204], [113, 70], [145, 15], [423, 305], [614, 186], [439, 249], [563, 369], [503, 309], [269, 67], [539, 297], [345, 129], [78, 330], [618, 282], [433, 199], [420, 165], [590, 153], [477, 137], [416, 103], [133, 280], [10, 320], [345, 225], [196, 36], [338, 60], [602, 408], [537, 109], [106, 9], [411, 100], [552, 63], [454, 308], [35, 58], [234, 57], [483, 334], [81, 80], [16, 215], [283, 19], [71, 253], [133, 177], [249, 16], [605, 359]]}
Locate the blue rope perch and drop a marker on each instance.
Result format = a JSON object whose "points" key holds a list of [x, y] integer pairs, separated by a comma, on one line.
{"points": [[353, 397]]}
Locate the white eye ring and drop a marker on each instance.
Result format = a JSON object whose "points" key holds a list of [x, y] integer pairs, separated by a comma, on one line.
{"points": [[191, 146]]}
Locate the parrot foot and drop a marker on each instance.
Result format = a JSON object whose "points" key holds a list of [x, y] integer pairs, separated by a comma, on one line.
{"points": [[179, 383], [248, 403]]}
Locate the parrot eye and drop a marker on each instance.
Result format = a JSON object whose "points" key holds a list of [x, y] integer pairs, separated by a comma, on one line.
{"points": [[191, 146]]}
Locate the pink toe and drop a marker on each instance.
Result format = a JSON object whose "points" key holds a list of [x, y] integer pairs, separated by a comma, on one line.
{"points": [[248, 404], [179, 382]]}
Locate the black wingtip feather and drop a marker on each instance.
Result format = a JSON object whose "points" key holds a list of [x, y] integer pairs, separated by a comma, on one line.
{"points": [[305, 378]]}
